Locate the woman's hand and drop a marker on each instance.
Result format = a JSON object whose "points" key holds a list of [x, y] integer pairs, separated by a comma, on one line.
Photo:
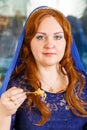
{"points": [[11, 100]]}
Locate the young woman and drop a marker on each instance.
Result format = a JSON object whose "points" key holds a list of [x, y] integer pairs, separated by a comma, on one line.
{"points": [[45, 87]]}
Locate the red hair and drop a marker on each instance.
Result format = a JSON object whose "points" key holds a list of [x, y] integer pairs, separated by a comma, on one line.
{"points": [[75, 104]]}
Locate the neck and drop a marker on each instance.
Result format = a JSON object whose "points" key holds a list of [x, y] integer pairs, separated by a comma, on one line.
{"points": [[52, 79], [48, 73]]}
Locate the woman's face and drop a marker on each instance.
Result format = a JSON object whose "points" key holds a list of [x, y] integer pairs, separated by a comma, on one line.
{"points": [[48, 45]]}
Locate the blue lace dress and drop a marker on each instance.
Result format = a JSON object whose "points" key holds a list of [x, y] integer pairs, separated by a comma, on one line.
{"points": [[61, 116]]}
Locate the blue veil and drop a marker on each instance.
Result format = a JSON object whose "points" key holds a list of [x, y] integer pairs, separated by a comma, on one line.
{"points": [[15, 60]]}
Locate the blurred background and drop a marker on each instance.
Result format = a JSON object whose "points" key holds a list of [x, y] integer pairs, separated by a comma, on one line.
{"points": [[13, 15]]}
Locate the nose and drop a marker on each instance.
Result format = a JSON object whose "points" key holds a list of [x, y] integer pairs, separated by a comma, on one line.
{"points": [[49, 43]]}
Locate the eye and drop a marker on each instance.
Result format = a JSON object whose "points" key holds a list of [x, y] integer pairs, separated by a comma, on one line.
{"points": [[40, 37], [58, 37]]}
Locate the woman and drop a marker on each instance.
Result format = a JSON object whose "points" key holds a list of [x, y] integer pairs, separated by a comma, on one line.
{"points": [[45, 87]]}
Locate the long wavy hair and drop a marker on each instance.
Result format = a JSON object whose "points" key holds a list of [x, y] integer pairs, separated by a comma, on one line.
{"points": [[76, 105]]}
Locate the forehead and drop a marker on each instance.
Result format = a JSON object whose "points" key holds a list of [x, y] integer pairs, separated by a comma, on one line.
{"points": [[49, 24]]}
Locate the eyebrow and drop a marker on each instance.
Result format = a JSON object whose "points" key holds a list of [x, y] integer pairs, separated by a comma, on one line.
{"points": [[45, 33], [59, 32], [41, 33]]}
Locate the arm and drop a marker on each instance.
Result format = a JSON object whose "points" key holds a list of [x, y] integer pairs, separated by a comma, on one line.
{"points": [[4, 121], [9, 103]]}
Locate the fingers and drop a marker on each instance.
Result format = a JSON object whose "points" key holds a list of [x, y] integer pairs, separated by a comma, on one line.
{"points": [[11, 100], [15, 96], [18, 98], [14, 91]]}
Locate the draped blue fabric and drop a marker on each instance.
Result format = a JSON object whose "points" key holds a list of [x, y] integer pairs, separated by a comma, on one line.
{"points": [[78, 33], [15, 60], [79, 37], [13, 63], [76, 57]]}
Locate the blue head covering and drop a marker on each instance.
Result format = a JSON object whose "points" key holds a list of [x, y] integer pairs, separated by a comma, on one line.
{"points": [[15, 60]]}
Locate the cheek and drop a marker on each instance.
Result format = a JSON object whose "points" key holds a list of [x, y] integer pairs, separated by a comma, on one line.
{"points": [[61, 48], [33, 47], [35, 50]]}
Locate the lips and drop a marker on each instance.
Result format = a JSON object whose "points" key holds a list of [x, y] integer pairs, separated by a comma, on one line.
{"points": [[49, 53]]}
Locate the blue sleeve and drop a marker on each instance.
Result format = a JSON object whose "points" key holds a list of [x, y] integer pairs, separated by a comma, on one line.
{"points": [[18, 81], [84, 93]]}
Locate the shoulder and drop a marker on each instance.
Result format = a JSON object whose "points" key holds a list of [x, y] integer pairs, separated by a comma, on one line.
{"points": [[20, 81], [84, 91], [83, 94]]}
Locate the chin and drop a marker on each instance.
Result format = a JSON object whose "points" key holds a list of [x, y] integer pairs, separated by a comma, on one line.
{"points": [[50, 64]]}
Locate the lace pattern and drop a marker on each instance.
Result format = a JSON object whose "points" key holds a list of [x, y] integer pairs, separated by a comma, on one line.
{"points": [[61, 116]]}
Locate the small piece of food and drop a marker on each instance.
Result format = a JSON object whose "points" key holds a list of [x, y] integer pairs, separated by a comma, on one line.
{"points": [[38, 92]]}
